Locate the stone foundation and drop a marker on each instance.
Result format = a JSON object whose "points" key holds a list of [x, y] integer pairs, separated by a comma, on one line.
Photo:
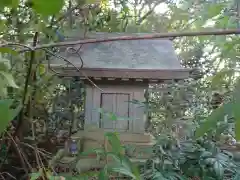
{"points": [[138, 148], [138, 145]]}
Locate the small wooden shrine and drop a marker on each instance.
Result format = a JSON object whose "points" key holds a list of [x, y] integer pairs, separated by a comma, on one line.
{"points": [[121, 71]]}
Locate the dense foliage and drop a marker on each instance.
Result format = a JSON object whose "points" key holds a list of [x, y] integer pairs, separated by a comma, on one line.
{"points": [[28, 88]]}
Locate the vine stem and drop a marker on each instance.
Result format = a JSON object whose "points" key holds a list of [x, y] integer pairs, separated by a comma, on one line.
{"points": [[26, 84], [21, 114]]}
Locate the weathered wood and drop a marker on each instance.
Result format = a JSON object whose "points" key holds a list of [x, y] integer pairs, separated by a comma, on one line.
{"points": [[96, 102], [107, 104], [119, 81], [123, 38], [138, 110], [116, 99], [88, 105], [127, 137], [161, 74], [122, 110]]}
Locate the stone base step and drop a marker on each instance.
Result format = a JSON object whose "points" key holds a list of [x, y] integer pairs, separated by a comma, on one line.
{"points": [[98, 135], [95, 139], [86, 164], [139, 150]]}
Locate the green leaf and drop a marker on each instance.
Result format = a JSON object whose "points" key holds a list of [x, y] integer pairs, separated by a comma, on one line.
{"points": [[211, 121], [41, 69], [116, 158], [232, 22], [214, 10], [35, 176], [98, 151], [158, 175], [47, 7], [102, 175], [8, 50], [113, 116], [3, 91], [206, 154], [114, 142], [9, 79], [123, 164], [236, 177], [236, 113], [110, 115], [222, 22], [221, 76], [7, 114], [218, 168], [122, 170], [174, 175], [8, 3], [236, 109], [91, 1], [136, 171], [4, 64], [127, 164]]}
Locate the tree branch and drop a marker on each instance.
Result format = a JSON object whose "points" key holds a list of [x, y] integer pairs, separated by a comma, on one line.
{"points": [[217, 32], [141, 19], [68, 13]]}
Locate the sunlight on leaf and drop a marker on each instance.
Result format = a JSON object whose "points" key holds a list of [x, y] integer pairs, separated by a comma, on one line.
{"points": [[47, 7], [220, 77], [92, 1], [8, 50], [41, 69], [211, 121], [8, 3], [9, 79], [214, 10], [35, 176]]}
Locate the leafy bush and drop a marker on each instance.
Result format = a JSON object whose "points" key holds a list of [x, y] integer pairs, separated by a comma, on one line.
{"points": [[199, 158], [113, 150]]}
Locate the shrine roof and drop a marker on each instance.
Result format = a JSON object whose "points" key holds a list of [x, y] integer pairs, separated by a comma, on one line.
{"points": [[127, 55]]}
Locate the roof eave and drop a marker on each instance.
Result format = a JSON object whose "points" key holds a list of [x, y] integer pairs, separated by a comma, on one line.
{"points": [[158, 74]]}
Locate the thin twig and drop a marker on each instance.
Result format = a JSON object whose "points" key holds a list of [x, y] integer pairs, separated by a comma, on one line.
{"points": [[69, 62], [8, 175], [2, 177], [21, 156], [141, 19], [41, 151]]}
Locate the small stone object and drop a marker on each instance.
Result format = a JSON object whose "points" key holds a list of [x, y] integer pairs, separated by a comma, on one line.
{"points": [[73, 148]]}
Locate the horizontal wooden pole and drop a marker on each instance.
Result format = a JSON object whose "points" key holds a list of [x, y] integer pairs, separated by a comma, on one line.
{"points": [[140, 37], [217, 32]]}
